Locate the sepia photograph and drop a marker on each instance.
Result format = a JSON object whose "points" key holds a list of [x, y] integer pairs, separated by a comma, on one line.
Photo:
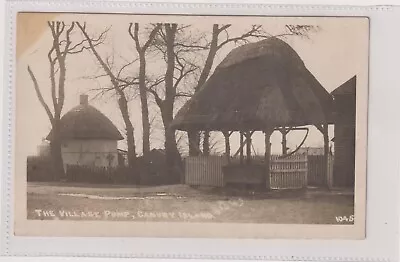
{"points": [[223, 126]]}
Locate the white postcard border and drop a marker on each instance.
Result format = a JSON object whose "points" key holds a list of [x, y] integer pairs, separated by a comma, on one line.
{"points": [[381, 228]]}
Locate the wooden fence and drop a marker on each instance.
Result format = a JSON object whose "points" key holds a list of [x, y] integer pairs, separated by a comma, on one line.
{"points": [[290, 172], [318, 174]]}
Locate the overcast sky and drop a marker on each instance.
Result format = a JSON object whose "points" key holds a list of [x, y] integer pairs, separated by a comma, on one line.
{"points": [[334, 54]]}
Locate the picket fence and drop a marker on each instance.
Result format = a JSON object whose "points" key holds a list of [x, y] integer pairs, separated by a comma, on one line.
{"points": [[285, 173]]}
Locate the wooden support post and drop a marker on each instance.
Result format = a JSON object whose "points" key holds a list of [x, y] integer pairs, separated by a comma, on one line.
{"points": [[194, 142], [241, 147], [267, 157], [284, 141], [227, 146], [206, 143], [326, 152], [324, 130], [266, 145], [248, 147]]}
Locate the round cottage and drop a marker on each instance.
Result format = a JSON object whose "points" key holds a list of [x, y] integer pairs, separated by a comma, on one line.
{"points": [[88, 137]]}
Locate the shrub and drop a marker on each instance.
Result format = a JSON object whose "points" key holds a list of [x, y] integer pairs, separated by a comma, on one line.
{"points": [[39, 169], [101, 175]]}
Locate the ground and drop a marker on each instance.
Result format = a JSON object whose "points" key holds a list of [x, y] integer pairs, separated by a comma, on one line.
{"points": [[183, 203]]}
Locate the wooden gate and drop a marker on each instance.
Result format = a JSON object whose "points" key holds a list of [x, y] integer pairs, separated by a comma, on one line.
{"points": [[288, 173], [204, 171]]}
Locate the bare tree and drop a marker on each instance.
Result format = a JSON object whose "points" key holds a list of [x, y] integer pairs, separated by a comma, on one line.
{"points": [[118, 85], [220, 37], [166, 105], [177, 69], [141, 50], [61, 48], [177, 49]]}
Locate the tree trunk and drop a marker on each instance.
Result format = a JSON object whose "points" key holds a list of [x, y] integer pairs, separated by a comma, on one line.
{"points": [[194, 140], [173, 159], [167, 106], [144, 104], [131, 146], [55, 148], [130, 136], [122, 102]]}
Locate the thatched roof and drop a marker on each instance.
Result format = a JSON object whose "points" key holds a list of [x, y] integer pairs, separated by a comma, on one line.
{"points": [[258, 85], [347, 88], [86, 122]]}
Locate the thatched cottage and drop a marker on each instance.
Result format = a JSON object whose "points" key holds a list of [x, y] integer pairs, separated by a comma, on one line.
{"points": [[88, 137]]}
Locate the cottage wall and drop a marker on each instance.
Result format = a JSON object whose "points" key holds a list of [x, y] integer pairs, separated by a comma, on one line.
{"points": [[43, 149], [99, 153]]}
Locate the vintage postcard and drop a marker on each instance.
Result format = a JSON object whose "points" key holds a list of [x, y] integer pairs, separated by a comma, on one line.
{"points": [[190, 126]]}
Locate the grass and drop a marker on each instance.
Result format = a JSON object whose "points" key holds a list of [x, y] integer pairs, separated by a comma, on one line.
{"points": [[183, 203]]}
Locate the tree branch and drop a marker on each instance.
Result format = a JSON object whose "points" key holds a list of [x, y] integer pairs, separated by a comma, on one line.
{"points": [[210, 56], [254, 32], [192, 47], [223, 28], [56, 32], [124, 67], [135, 36], [53, 85], [80, 47], [152, 36], [105, 66], [68, 41], [39, 95], [157, 98], [181, 94], [182, 72]]}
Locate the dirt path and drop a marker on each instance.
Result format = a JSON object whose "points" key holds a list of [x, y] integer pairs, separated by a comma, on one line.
{"points": [[183, 203]]}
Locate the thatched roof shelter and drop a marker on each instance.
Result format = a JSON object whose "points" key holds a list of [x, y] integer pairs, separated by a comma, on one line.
{"points": [[258, 85], [86, 122], [262, 86]]}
